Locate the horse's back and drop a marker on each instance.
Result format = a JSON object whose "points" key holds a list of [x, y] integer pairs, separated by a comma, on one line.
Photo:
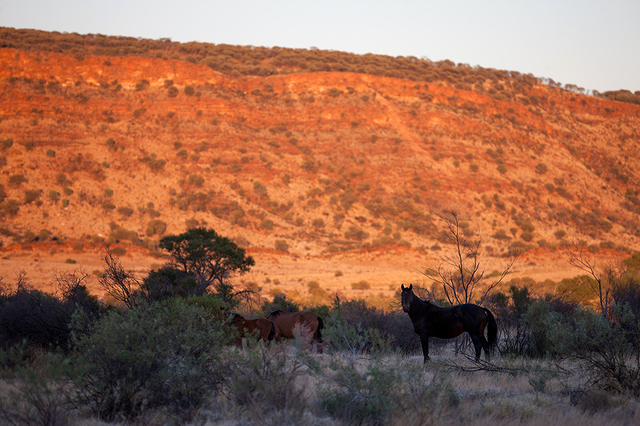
{"points": [[286, 322], [451, 321], [473, 312]]}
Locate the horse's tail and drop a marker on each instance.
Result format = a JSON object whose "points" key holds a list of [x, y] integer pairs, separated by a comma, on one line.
{"points": [[272, 332], [319, 334], [320, 327], [492, 327]]}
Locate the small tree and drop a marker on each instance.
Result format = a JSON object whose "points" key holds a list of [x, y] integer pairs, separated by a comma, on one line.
{"points": [[603, 280], [209, 257], [459, 273], [118, 283]]}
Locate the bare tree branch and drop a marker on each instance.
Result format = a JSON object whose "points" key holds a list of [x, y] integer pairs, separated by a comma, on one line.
{"points": [[460, 273], [117, 282], [580, 258]]}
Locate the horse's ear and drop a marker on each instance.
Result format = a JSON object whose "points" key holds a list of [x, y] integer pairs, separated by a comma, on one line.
{"points": [[402, 286], [410, 286]]}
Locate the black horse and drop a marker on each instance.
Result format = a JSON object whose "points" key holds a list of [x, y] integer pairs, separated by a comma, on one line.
{"points": [[430, 320]]}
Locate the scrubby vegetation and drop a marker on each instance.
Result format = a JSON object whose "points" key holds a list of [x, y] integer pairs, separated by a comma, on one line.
{"points": [[263, 61], [164, 353]]}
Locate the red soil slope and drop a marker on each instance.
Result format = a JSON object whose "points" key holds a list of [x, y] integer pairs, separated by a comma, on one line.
{"points": [[336, 168]]}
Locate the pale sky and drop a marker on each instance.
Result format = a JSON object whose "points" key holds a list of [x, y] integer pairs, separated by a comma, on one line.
{"points": [[594, 44]]}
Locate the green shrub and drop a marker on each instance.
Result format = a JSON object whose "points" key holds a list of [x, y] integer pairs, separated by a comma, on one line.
{"points": [[260, 189], [51, 153], [279, 302], [156, 227], [119, 233], [9, 207], [125, 211], [267, 378], [196, 180], [6, 144], [501, 234], [371, 395], [17, 179], [40, 319], [356, 233], [541, 168], [44, 235], [281, 245], [361, 285], [29, 236], [527, 236], [334, 92], [160, 356], [32, 195], [172, 92], [37, 393], [166, 283], [360, 397], [603, 347]]}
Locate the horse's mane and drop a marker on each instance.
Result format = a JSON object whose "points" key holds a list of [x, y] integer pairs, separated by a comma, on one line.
{"points": [[423, 304], [275, 314], [433, 303], [426, 300]]}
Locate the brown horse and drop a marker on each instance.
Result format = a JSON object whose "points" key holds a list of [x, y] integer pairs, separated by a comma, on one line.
{"points": [[307, 323], [260, 327], [430, 320]]}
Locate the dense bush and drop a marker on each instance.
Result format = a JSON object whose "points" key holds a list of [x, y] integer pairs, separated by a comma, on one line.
{"points": [[279, 302], [522, 320], [375, 392], [155, 227], [167, 283], [37, 394], [161, 355], [40, 319], [370, 328], [603, 347], [270, 378]]}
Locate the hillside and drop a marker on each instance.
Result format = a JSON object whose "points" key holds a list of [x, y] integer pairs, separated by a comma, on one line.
{"points": [[313, 172]]}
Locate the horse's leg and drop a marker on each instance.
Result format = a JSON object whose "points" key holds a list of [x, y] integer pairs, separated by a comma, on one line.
{"points": [[318, 338], [485, 346], [477, 344], [277, 335], [425, 347]]}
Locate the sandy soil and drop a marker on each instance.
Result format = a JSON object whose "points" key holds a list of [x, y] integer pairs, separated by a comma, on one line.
{"points": [[383, 269]]}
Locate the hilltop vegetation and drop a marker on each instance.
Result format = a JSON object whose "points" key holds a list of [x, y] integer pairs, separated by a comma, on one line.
{"points": [[263, 61]]}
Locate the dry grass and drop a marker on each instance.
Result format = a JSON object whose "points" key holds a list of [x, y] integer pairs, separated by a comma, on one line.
{"points": [[519, 392]]}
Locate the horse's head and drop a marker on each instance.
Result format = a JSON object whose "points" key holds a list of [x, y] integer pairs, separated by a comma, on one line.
{"points": [[406, 297]]}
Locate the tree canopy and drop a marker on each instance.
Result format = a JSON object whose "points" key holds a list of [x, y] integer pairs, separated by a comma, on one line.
{"points": [[209, 257]]}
